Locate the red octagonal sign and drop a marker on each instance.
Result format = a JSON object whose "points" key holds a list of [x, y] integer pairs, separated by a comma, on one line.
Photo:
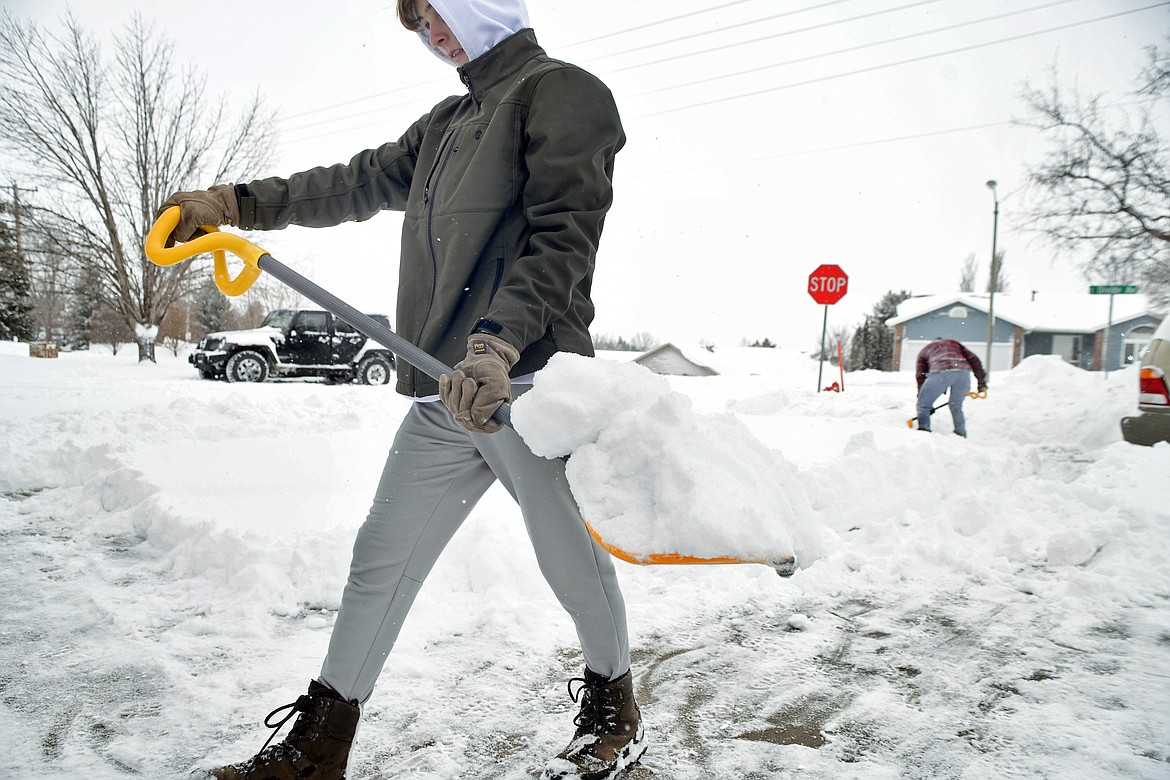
{"points": [[828, 284]]}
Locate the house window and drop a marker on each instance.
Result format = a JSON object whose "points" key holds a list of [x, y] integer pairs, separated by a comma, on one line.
{"points": [[958, 312], [1135, 344]]}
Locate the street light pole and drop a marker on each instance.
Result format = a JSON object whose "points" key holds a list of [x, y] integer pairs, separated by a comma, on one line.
{"points": [[994, 282]]}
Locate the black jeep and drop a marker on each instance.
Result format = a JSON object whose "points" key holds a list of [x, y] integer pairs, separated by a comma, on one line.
{"points": [[295, 343]]}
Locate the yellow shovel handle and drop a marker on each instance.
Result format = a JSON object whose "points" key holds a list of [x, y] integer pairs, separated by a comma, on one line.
{"points": [[215, 242]]}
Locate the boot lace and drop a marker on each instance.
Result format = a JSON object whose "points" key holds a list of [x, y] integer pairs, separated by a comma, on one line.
{"points": [[597, 715], [280, 749]]}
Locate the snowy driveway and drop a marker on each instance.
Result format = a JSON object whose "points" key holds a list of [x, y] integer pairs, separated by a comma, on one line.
{"points": [[173, 551]]}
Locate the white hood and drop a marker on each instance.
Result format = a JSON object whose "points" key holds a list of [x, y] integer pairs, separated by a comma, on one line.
{"points": [[478, 24]]}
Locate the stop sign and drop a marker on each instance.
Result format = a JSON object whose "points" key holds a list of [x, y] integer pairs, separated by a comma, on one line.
{"points": [[828, 284]]}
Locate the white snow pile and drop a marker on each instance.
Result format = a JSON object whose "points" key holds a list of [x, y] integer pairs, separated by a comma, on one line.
{"points": [[653, 476], [173, 551]]}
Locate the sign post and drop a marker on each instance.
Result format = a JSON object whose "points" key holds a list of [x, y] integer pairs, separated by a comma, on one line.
{"points": [[827, 285], [1110, 290]]}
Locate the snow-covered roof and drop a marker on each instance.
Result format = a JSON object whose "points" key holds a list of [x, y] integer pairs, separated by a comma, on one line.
{"points": [[1056, 312], [660, 355], [730, 361]]}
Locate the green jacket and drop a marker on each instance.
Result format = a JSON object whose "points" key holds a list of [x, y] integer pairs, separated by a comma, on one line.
{"points": [[505, 192]]}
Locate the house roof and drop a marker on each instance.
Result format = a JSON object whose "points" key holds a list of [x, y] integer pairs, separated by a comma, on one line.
{"points": [[692, 356], [731, 361], [1051, 312]]}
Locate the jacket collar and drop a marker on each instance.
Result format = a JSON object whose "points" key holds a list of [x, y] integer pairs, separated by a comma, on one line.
{"points": [[484, 72]]}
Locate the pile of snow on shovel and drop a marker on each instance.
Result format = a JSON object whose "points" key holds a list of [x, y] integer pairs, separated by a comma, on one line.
{"points": [[653, 476]]}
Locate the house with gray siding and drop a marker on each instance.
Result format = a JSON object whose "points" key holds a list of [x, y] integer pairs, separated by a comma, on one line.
{"points": [[1077, 326]]}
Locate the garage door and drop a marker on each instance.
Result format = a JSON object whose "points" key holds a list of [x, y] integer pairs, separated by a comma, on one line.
{"points": [[1001, 353]]}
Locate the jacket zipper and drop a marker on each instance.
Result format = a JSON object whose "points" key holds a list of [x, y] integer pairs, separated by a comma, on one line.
{"points": [[434, 177], [496, 282]]}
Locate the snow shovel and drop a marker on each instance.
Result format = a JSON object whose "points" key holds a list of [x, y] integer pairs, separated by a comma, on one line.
{"points": [[970, 394], [257, 260]]}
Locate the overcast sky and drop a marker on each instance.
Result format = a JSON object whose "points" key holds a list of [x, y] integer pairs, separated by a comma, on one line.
{"points": [[766, 137]]}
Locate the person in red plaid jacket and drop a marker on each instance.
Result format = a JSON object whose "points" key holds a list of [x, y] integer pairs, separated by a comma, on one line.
{"points": [[945, 364]]}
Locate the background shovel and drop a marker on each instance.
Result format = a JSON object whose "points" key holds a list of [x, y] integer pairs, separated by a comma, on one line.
{"points": [[256, 260], [970, 394]]}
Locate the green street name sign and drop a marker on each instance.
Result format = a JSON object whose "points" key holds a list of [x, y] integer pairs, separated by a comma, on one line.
{"points": [[1112, 289]]}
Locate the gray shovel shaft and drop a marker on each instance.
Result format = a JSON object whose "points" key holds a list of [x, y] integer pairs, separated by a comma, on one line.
{"points": [[368, 327]]}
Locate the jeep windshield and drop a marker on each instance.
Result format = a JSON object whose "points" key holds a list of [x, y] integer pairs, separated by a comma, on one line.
{"points": [[278, 319]]}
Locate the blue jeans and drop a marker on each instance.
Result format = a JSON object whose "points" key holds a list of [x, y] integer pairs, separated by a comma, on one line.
{"points": [[958, 381]]}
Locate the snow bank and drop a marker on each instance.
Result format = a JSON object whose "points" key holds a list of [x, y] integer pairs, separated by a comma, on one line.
{"points": [[175, 550]]}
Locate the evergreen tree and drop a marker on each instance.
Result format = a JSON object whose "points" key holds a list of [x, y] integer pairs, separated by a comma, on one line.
{"points": [[210, 309], [16, 319], [873, 343]]}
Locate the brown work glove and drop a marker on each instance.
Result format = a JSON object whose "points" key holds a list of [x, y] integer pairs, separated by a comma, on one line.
{"points": [[480, 383], [216, 205]]}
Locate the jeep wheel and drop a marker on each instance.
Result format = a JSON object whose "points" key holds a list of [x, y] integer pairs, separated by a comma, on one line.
{"points": [[247, 365], [374, 370]]}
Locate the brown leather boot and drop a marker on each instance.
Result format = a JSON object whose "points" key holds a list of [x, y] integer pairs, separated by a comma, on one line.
{"points": [[316, 747], [609, 734]]}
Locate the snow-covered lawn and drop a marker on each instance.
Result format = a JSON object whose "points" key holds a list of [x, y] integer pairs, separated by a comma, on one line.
{"points": [[173, 551]]}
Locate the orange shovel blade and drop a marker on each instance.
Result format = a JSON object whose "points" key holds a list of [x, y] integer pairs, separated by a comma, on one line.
{"points": [[785, 566]]}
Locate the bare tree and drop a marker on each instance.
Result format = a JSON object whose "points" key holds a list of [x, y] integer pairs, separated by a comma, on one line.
{"points": [[643, 340], [1105, 185], [50, 287], [639, 342], [108, 327], [267, 294], [175, 328], [840, 344], [967, 273], [107, 140], [828, 347], [1000, 283]]}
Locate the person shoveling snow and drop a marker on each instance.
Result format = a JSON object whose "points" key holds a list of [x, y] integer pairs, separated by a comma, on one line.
{"points": [[653, 478], [497, 257]]}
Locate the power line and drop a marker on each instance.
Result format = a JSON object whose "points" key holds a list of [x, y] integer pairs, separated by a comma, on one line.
{"points": [[824, 55], [366, 97], [650, 24], [350, 116], [615, 33], [849, 49], [907, 61], [725, 163], [647, 25], [659, 22], [752, 22]]}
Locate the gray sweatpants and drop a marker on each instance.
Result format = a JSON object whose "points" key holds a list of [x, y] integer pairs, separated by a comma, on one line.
{"points": [[434, 475]]}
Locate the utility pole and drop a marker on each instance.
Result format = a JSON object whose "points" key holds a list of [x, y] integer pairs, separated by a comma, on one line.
{"points": [[991, 185], [16, 215]]}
